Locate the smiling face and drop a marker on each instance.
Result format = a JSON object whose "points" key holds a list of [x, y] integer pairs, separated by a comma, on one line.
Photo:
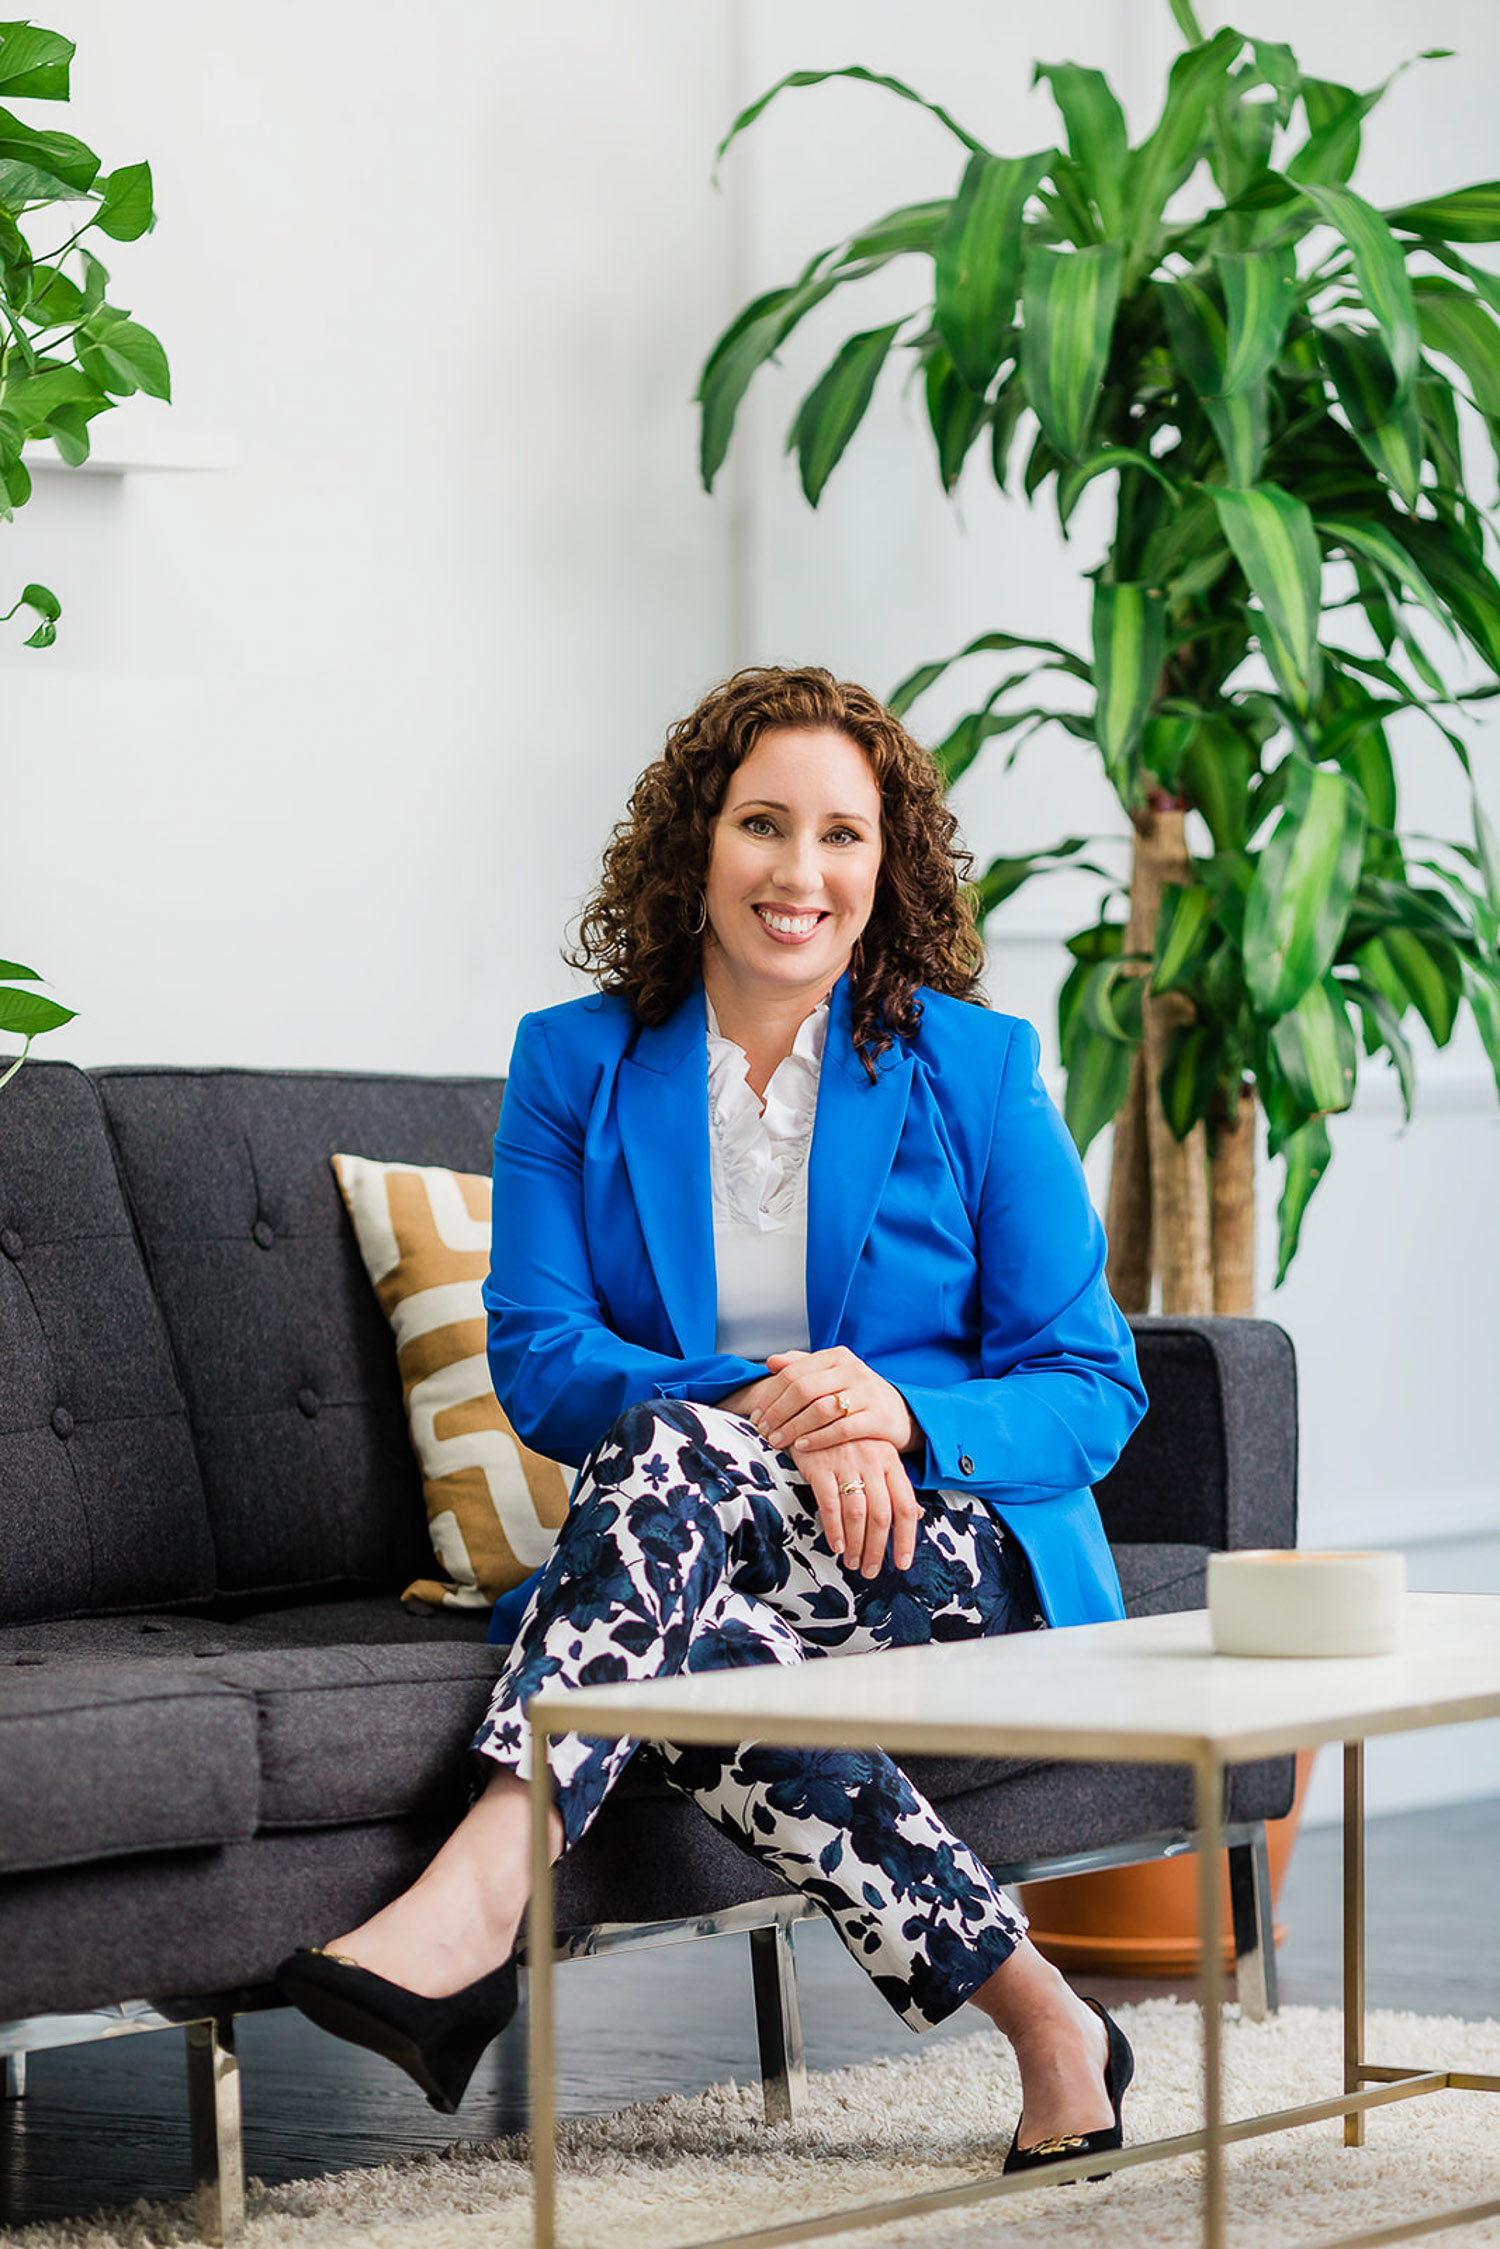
{"points": [[792, 867]]}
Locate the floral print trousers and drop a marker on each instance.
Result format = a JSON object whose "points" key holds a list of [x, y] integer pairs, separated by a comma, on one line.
{"points": [[691, 1546]]}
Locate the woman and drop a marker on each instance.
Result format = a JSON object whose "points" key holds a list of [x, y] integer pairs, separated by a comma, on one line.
{"points": [[793, 1255]]}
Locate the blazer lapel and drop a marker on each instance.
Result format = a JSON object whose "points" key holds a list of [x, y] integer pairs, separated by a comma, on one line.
{"points": [[856, 1133], [662, 1106]]}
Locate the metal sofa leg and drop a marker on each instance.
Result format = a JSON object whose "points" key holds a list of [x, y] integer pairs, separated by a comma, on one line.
{"points": [[214, 2121], [778, 2022], [13, 2080], [1254, 1931]]}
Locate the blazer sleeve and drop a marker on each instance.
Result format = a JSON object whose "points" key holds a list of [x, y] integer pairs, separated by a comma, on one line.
{"points": [[1060, 1391], [560, 1371]]}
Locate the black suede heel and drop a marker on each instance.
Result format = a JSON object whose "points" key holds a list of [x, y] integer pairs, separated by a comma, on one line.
{"points": [[437, 2042], [1119, 2069]]}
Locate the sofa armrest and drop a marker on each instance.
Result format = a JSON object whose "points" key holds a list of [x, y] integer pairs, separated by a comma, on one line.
{"points": [[1214, 1462]]}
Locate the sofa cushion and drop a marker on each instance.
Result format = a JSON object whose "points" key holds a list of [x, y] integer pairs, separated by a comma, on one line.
{"points": [[350, 1734], [287, 1364], [363, 1620], [98, 1760], [101, 1504]]}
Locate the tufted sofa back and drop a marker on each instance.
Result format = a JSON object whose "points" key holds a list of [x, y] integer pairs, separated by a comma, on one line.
{"points": [[101, 1502], [198, 1391], [286, 1363]]}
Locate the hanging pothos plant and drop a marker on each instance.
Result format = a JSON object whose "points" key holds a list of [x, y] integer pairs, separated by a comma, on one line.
{"points": [[66, 353], [1279, 387]]}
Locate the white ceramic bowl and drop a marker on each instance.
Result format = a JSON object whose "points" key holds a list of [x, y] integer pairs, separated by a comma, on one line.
{"points": [[1272, 1602]]}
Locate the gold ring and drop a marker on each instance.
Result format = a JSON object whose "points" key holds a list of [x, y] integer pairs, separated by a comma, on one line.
{"points": [[842, 1402], [856, 1484]]}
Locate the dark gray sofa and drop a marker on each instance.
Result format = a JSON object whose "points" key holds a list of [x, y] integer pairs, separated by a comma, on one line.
{"points": [[220, 1732]]}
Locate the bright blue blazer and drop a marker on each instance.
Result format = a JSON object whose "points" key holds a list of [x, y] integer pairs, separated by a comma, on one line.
{"points": [[951, 1244]]}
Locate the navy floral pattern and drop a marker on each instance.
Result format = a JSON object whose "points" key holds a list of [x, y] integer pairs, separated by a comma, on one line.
{"points": [[691, 1546]]}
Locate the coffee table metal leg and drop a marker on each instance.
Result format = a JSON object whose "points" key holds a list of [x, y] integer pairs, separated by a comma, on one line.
{"points": [[539, 1996], [1210, 1824], [1354, 1934]]}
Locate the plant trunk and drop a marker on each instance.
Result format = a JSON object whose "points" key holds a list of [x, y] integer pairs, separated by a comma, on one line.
{"points": [[1232, 1200], [1173, 1210], [1128, 1223]]}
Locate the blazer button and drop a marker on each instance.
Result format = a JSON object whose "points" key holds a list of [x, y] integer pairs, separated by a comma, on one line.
{"points": [[965, 1465]]}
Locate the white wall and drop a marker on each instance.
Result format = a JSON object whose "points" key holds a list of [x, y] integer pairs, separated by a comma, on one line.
{"points": [[333, 731], [338, 719]]}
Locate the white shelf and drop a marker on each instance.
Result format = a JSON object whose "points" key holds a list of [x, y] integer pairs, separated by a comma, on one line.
{"points": [[141, 451]]}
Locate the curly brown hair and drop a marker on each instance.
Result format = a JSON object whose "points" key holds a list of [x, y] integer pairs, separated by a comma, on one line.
{"points": [[639, 935]]}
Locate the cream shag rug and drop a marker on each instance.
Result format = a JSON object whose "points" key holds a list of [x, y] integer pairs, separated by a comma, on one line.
{"points": [[683, 2169]]}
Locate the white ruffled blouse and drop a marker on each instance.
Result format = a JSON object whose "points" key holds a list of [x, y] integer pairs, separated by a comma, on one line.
{"points": [[758, 1166]]}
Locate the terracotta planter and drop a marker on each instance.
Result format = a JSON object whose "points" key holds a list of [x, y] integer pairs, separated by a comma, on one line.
{"points": [[1143, 1920]]}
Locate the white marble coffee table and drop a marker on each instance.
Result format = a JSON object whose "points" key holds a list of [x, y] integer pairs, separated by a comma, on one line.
{"points": [[1149, 1690]]}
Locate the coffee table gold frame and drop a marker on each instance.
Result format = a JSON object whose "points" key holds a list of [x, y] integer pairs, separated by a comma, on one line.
{"points": [[1148, 1690]]}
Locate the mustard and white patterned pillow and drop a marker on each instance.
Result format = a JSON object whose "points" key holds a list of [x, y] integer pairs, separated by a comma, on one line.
{"points": [[493, 1505]]}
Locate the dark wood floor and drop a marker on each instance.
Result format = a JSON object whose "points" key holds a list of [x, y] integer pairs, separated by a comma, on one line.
{"points": [[105, 2124]]}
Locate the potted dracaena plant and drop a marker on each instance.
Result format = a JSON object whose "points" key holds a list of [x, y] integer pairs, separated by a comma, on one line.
{"points": [[1283, 386], [66, 353]]}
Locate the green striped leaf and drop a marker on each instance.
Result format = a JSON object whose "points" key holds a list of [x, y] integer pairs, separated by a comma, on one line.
{"points": [[1482, 991], [955, 412], [1416, 969], [1165, 742], [796, 78], [1200, 341], [959, 748], [1216, 773], [1098, 1080], [1353, 733], [1334, 117], [1298, 903], [912, 227], [1129, 645], [1008, 406], [1486, 854], [1307, 1153], [746, 344], [1068, 312], [979, 261], [1002, 878], [1380, 270], [1110, 1003], [1097, 140], [1315, 1048], [1074, 482], [1383, 1032], [1387, 430], [1276, 546], [13, 973], [835, 406], [1453, 323], [1160, 165], [918, 682], [1189, 1076], [1184, 922], [1278, 68], [1376, 543], [1462, 581], [1469, 214], [1260, 288]]}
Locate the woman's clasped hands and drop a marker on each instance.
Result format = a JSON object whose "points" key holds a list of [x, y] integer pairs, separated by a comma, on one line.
{"points": [[846, 1427]]}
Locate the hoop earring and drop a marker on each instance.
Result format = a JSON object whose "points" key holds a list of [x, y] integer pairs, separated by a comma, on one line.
{"points": [[696, 929]]}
